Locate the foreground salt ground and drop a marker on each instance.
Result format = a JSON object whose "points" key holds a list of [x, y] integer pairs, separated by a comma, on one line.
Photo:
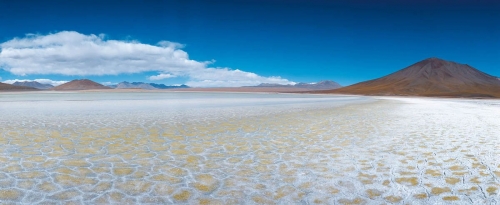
{"points": [[348, 150]]}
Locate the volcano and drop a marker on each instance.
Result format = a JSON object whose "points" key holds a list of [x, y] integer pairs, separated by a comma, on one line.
{"points": [[430, 77], [83, 84]]}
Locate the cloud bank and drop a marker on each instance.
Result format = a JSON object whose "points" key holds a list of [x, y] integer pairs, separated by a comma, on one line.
{"points": [[71, 53]]}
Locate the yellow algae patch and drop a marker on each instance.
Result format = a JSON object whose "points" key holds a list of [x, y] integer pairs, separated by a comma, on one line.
{"points": [[491, 190], [30, 175], [68, 180], [163, 189], [451, 198], [192, 160], [26, 184], [440, 190], [386, 182], [353, 201], [206, 183], [65, 170], [65, 195], [262, 200], [452, 181], [420, 196], [10, 194], [183, 195], [134, 187], [177, 172], [35, 159], [162, 177], [116, 196], [47, 187], [123, 171], [283, 191], [408, 180], [373, 193], [102, 186], [475, 180], [179, 152], [76, 163], [456, 168], [497, 173], [393, 199], [209, 202], [305, 185], [434, 173]]}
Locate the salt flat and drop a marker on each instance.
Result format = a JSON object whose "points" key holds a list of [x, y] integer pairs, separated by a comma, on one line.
{"points": [[233, 148]]}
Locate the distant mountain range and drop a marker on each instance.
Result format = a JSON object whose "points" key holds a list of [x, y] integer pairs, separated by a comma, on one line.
{"points": [[33, 84], [430, 77], [9, 87], [147, 86], [322, 85]]}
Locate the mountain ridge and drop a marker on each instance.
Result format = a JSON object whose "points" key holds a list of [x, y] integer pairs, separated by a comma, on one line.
{"points": [[33, 84], [321, 85], [80, 84], [430, 77]]}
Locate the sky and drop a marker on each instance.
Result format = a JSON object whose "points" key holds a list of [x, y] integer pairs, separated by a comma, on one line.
{"points": [[240, 42]]}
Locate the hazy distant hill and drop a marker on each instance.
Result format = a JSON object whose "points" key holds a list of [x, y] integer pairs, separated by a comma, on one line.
{"points": [[83, 84], [322, 85], [147, 86], [163, 86], [9, 87], [33, 84], [430, 77], [127, 85]]}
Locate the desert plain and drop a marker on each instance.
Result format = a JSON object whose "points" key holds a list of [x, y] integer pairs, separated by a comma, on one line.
{"points": [[246, 148]]}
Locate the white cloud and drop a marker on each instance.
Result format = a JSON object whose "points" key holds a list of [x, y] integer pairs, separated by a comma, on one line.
{"points": [[162, 76], [42, 81], [72, 53], [107, 83]]}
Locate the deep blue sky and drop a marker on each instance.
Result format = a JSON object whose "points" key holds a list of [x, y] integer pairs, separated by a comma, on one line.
{"points": [[301, 40]]}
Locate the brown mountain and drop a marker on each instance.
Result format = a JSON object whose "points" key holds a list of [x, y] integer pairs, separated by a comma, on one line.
{"points": [[9, 87], [430, 77], [83, 84]]}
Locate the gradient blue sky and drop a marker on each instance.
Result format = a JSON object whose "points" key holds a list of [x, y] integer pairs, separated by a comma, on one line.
{"points": [[299, 40]]}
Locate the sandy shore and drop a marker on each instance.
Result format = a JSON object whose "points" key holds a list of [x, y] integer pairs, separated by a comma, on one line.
{"points": [[248, 148]]}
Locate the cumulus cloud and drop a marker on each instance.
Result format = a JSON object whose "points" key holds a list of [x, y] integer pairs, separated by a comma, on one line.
{"points": [[162, 76], [107, 83], [72, 53], [42, 81]]}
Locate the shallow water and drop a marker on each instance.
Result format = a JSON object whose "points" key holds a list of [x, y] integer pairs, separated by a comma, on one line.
{"points": [[203, 148]]}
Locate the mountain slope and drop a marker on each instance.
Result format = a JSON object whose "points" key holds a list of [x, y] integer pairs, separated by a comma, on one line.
{"points": [[127, 85], [9, 87], [83, 84], [147, 86], [33, 84], [430, 77]]}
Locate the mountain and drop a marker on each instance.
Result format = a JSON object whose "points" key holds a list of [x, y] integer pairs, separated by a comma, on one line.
{"points": [[147, 86], [430, 77], [322, 85], [9, 87], [83, 84], [127, 85], [33, 84], [163, 86]]}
